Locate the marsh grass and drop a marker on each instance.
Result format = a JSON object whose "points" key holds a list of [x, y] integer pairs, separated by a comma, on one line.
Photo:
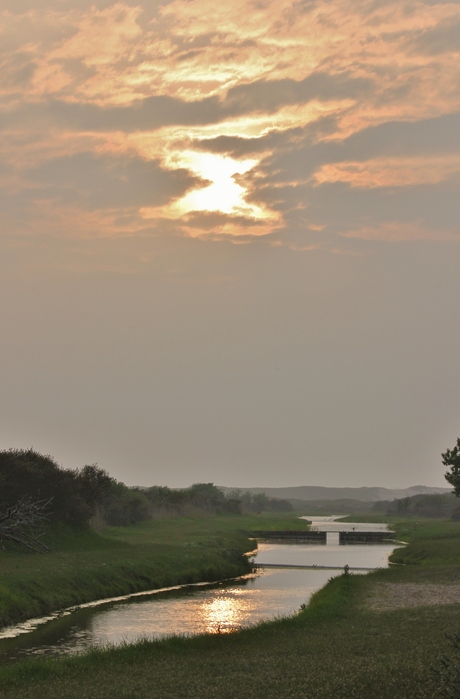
{"points": [[432, 542], [336, 647], [85, 565]]}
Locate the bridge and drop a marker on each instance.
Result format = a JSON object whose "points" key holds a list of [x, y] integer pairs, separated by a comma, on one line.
{"points": [[305, 567], [325, 537]]}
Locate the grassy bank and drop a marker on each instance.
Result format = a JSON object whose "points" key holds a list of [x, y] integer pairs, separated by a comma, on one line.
{"points": [[85, 565], [340, 646]]}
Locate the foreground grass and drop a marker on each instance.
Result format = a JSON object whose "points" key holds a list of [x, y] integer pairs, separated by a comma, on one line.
{"points": [[85, 566], [338, 647]]}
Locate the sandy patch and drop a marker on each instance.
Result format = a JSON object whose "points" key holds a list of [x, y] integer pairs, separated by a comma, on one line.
{"points": [[387, 596]]}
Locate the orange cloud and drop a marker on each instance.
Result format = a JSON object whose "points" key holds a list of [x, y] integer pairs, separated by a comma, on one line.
{"points": [[247, 63], [396, 232], [390, 172], [75, 222], [197, 49]]}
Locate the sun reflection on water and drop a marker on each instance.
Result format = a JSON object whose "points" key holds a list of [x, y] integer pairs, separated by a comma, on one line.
{"points": [[224, 613]]}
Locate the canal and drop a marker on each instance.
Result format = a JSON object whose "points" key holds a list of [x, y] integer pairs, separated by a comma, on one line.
{"points": [[205, 608]]}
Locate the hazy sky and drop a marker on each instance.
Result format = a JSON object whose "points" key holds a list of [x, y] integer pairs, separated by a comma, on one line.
{"points": [[229, 242]]}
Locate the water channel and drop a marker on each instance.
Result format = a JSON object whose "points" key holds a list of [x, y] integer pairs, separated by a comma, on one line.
{"points": [[203, 608]]}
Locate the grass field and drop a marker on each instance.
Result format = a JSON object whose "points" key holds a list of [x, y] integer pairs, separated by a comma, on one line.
{"points": [[338, 647], [84, 565]]}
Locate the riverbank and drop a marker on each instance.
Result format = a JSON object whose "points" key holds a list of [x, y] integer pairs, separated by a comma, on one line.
{"points": [[85, 565], [341, 645]]}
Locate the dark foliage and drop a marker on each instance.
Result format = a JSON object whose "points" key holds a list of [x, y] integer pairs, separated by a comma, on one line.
{"points": [[259, 502], [433, 505], [91, 496], [122, 506], [451, 459], [77, 496], [26, 474], [199, 499]]}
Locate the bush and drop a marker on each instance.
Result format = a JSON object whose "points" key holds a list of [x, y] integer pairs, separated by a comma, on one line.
{"points": [[28, 474], [76, 495]]}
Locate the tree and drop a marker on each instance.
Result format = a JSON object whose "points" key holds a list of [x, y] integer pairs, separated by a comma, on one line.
{"points": [[22, 524], [206, 496], [27, 475], [451, 459], [123, 506], [93, 484]]}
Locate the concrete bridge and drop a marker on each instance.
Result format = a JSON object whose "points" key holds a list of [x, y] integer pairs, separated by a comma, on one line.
{"points": [[305, 567], [324, 537]]}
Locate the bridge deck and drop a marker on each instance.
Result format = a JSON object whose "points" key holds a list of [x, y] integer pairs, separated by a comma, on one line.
{"points": [[302, 567], [345, 537]]}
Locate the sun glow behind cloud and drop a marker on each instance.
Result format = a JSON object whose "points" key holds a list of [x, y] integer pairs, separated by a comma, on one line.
{"points": [[237, 95], [224, 194]]}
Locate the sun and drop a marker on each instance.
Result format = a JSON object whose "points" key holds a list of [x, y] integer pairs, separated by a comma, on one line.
{"points": [[223, 193]]}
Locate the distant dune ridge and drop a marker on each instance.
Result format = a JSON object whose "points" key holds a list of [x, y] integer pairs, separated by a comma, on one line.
{"points": [[313, 492]]}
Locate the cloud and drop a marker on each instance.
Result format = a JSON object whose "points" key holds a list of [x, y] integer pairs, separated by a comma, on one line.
{"points": [[279, 138], [108, 181], [307, 88], [155, 112], [297, 157], [103, 36], [391, 172], [347, 210], [444, 38], [20, 7], [144, 115], [271, 95], [411, 137], [85, 194], [216, 226], [395, 181], [441, 2], [17, 70], [397, 232]]}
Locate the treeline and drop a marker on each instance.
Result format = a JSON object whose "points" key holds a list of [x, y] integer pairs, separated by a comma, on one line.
{"points": [[341, 506], [435, 505], [201, 499], [206, 498], [74, 496], [91, 496], [259, 502]]}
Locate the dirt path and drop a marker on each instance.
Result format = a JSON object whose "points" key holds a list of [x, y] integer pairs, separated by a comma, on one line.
{"points": [[387, 596]]}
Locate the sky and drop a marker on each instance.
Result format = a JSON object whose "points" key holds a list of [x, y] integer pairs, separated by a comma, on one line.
{"points": [[229, 238]]}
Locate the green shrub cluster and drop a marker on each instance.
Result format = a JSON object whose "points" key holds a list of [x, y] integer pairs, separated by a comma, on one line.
{"points": [[259, 502], [75, 495], [200, 498]]}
